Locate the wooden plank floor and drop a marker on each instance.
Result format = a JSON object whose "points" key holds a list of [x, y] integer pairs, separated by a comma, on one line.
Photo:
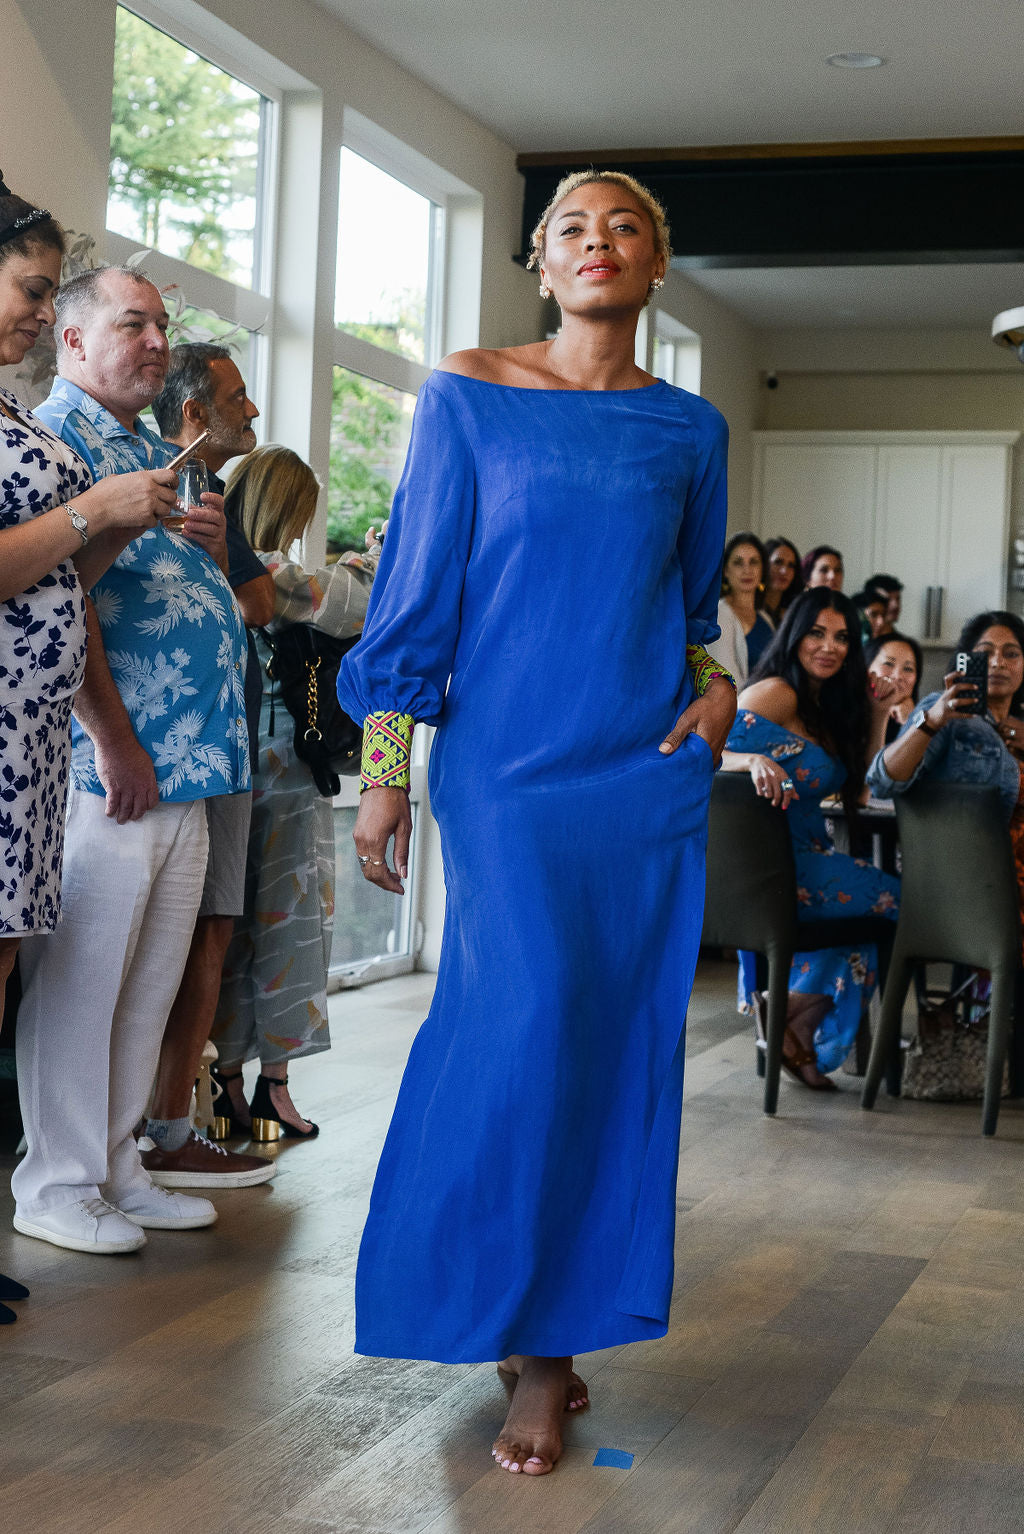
{"points": [[846, 1353]]}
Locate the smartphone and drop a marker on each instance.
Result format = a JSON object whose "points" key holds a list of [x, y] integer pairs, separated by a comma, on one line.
{"points": [[973, 668]]}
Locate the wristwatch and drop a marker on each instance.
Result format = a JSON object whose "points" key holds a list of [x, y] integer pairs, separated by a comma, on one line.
{"points": [[78, 522], [925, 727]]}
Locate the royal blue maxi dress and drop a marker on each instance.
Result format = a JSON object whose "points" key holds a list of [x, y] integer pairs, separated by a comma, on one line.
{"points": [[549, 556]]}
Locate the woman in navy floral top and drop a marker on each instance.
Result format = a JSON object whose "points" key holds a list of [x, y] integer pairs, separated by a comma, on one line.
{"points": [[806, 728], [58, 533]]}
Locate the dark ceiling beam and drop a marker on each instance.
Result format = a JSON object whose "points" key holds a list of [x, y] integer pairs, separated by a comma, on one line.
{"points": [[820, 204]]}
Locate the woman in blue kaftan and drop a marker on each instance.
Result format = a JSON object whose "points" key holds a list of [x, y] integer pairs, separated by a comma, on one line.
{"points": [[551, 555], [553, 552]]}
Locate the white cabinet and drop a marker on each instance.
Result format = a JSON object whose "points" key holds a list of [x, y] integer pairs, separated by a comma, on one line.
{"points": [[929, 507]]}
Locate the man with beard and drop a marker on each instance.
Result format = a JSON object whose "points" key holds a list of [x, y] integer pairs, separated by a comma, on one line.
{"points": [[205, 392]]}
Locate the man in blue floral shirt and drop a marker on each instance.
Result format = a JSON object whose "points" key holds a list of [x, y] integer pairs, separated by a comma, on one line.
{"points": [[160, 732]]}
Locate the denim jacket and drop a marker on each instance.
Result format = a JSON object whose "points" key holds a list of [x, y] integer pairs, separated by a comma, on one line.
{"points": [[964, 751]]}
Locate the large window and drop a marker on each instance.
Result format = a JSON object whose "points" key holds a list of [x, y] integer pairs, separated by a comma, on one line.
{"points": [[389, 247], [370, 426], [389, 326], [187, 155]]}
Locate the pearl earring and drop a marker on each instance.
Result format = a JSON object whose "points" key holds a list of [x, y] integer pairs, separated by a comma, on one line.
{"points": [[545, 291], [657, 283]]}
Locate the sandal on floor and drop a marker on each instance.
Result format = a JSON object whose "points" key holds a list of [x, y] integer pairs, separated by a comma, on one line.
{"points": [[225, 1123], [267, 1123], [794, 1055]]}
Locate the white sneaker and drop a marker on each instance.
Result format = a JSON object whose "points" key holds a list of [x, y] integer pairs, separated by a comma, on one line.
{"points": [[156, 1209], [91, 1225]]}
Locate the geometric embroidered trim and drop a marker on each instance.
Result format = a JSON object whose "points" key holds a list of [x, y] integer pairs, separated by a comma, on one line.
{"points": [[387, 750], [704, 669]]}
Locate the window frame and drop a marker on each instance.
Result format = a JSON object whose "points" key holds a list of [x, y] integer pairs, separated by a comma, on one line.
{"points": [[268, 174], [354, 353]]}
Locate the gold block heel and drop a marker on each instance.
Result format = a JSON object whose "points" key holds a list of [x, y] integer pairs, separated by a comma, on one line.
{"points": [[220, 1128], [266, 1129]]}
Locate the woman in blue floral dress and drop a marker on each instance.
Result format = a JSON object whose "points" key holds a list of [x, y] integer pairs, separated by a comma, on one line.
{"points": [[57, 534], [806, 727]]}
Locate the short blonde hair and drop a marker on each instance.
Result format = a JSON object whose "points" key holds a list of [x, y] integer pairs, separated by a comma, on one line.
{"points": [[272, 494], [647, 200]]}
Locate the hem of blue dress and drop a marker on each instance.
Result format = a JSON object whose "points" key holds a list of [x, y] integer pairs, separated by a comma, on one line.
{"points": [[629, 1329]]}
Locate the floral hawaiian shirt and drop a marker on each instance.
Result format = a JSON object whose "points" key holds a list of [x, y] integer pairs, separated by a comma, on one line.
{"points": [[173, 633]]}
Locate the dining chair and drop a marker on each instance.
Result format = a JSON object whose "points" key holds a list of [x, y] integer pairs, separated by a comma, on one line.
{"points": [[959, 903], [751, 902]]}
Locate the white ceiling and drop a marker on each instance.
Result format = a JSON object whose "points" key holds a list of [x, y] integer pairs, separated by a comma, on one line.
{"points": [[879, 297], [611, 75], [607, 75]]}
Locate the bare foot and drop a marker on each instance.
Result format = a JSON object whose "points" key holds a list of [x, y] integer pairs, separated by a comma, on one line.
{"points": [[531, 1440], [577, 1395]]}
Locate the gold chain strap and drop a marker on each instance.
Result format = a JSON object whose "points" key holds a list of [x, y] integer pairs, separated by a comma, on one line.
{"points": [[312, 667]]}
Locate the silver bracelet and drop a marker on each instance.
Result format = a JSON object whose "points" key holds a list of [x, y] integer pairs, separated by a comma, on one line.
{"points": [[78, 522]]}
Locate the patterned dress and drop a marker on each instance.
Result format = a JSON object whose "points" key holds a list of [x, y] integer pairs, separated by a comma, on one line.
{"points": [[42, 662], [829, 885], [273, 999]]}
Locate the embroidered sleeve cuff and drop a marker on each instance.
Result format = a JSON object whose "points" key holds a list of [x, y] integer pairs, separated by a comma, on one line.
{"points": [[387, 749], [704, 669]]}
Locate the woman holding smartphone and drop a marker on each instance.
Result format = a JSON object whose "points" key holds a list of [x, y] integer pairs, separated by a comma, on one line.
{"points": [[948, 740]]}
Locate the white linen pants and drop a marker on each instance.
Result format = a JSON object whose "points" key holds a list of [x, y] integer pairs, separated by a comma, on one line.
{"points": [[97, 992]]}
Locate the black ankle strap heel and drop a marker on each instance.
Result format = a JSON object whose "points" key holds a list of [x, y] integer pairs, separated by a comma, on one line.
{"points": [[225, 1123], [267, 1123]]}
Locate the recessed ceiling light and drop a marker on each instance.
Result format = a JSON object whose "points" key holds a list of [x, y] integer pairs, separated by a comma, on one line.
{"points": [[855, 60]]}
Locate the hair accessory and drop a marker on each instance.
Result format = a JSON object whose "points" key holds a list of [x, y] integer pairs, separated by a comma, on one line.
{"points": [[545, 291], [25, 221]]}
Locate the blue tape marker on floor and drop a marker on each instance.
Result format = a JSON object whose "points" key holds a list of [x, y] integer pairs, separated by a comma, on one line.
{"points": [[618, 1459]]}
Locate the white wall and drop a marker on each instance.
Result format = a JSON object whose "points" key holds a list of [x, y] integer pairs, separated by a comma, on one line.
{"points": [[896, 381], [729, 376]]}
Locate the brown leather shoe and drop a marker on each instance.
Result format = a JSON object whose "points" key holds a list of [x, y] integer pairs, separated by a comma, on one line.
{"points": [[201, 1164]]}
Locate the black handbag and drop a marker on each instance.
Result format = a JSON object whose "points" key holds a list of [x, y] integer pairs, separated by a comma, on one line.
{"points": [[303, 671]]}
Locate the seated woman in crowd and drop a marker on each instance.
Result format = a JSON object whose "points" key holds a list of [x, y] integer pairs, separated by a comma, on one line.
{"points": [[823, 566], [945, 740], [898, 658], [746, 632], [273, 1000], [803, 731], [784, 581]]}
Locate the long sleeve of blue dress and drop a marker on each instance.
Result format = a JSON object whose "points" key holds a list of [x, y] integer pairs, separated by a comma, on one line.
{"points": [[412, 623], [702, 537]]}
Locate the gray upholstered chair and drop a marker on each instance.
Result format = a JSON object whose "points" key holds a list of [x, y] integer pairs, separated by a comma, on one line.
{"points": [[751, 902], [960, 903]]}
